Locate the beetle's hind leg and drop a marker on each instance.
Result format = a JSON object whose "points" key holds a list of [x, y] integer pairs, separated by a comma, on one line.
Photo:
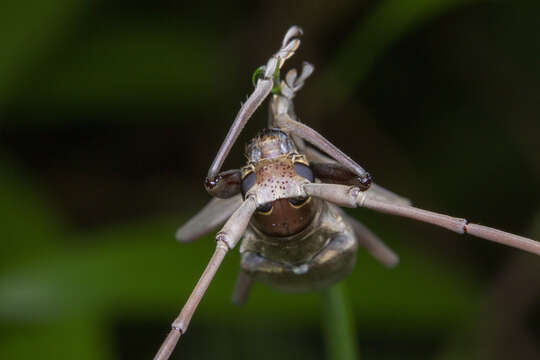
{"points": [[242, 288], [371, 242]]}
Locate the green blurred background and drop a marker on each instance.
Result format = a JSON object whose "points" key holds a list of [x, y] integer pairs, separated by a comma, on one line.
{"points": [[112, 111]]}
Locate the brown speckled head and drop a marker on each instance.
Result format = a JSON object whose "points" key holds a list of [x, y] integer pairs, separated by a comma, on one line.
{"points": [[276, 174]]}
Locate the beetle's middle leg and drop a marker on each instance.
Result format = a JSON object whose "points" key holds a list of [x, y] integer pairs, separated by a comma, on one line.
{"points": [[242, 288], [371, 242]]}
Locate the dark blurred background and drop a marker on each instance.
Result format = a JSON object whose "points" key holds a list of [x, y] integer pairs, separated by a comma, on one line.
{"points": [[112, 111]]}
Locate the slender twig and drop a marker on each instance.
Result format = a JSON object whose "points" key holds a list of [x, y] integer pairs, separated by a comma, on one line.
{"points": [[339, 331]]}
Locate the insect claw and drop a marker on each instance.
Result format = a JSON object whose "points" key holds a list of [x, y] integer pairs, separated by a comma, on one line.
{"points": [[365, 181]]}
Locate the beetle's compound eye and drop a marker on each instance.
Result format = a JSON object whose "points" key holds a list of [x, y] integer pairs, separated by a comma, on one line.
{"points": [[299, 201], [265, 209], [303, 170], [248, 182]]}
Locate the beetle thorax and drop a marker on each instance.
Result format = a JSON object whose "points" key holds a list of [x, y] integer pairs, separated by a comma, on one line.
{"points": [[270, 143], [276, 178]]}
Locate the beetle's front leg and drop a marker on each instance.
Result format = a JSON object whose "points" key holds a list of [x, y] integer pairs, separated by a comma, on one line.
{"points": [[291, 126], [224, 185], [335, 173], [263, 86]]}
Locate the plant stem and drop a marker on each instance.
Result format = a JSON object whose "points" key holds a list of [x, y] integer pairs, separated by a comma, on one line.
{"points": [[339, 331]]}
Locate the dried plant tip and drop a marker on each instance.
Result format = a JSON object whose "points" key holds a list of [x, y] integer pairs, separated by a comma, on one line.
{"points": [[290, 77], [307, 70], [293, 32]]}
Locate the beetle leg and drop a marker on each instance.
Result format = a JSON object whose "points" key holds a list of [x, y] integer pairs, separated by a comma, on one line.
{"points": [[225, 185], [289, 125], [335, 173], [371, 242], [315, 155], [282, 115], [263, 88], [242, 288]]}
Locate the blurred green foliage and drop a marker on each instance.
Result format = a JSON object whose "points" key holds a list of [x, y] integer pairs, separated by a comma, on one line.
{"points": [[111, 111]]}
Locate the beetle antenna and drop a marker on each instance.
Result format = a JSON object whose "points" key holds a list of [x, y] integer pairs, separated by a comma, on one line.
{"points": [[226, 239], [352, 197]]}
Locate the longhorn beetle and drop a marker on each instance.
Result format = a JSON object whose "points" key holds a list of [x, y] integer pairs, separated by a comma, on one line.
{"points": [[284, 204]]}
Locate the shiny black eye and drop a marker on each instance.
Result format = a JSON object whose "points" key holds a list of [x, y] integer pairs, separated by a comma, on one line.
{"points": [[298, 201], [247, 183], [265, 208], [303, 170]]}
